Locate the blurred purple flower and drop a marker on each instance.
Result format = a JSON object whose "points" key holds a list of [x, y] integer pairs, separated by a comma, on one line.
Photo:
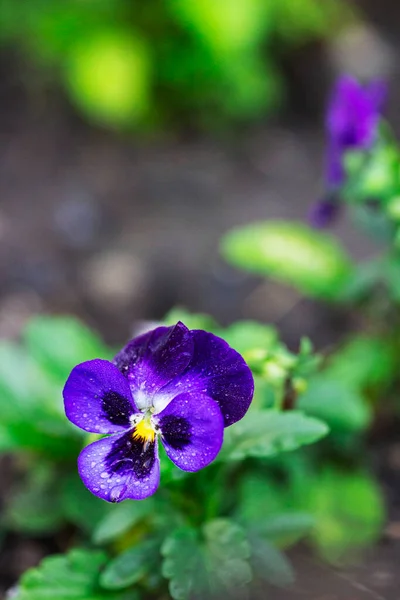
{"points": [[352, 121], [323, 213], [183, 386]]}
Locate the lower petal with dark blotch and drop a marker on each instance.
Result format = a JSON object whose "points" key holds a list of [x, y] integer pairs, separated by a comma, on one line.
{"points": [[121, 467], [192, 429], [217, 371], [97, 397]]}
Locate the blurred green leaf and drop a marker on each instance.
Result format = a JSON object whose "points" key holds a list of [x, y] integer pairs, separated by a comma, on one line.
{"points": [[67, 577], [131, 566], [375, 175], [286, 528], [60, 343], [31, 410], [349, 513], [216, 567], [298, 21], [364, 362], [335, 402], [224, 27], [121, 519], [250, 337], [36, 508], [108, 76], [268, 563], [269, 432], [191, 320], [79, 506], [292, 253]]}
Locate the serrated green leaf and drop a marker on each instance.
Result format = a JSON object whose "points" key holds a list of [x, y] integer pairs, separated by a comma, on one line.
{"points": [[73, 576], [131, 566], [293, 253], [269, 432], [339, 405], [121, 519], [268, 563], [60, 343], [216, 566]]}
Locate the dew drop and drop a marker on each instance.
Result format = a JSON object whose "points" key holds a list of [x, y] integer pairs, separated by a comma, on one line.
{"points": [[117, 492], [104, 475], [93, 464]]}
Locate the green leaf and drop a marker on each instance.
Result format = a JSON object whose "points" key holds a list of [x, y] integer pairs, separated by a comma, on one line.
{"points": [[36, 508], [286, 528], [349, 513], [250, 338], [364, 362], [60, 343], [31, 411], [268, 563], [131, 566], [68, 577], [341, 406], [269, 432], [191, 320], [80, 507], [121, 519], [108, 76], [225, 28], [293, 253], [216, 566]]}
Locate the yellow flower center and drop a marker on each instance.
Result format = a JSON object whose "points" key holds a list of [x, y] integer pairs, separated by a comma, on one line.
{"points": [[144, 430]]}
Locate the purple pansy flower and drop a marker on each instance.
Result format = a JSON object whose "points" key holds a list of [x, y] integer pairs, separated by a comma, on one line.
{"points": [[181, 385], [352, 122]]}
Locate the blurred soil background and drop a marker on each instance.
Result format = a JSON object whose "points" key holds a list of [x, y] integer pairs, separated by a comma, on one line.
{"points": [[119, 229]]}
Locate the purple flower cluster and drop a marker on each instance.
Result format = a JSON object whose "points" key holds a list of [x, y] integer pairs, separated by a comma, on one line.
{"points": [[181, 385], [352, 121]]}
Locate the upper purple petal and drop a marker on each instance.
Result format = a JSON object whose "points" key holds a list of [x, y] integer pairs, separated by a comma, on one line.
{"points": [[217, 371], [192, 429], [153, 359], [377, 92], [352, 115], [120, 467], [97, 397]]}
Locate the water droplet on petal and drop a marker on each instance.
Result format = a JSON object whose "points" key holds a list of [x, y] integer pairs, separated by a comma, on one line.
{"points": [[104, 475], [117, 492]]}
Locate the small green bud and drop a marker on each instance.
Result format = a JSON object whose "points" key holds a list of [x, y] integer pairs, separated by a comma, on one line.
{"points": [[300, 385], [274, 372]]}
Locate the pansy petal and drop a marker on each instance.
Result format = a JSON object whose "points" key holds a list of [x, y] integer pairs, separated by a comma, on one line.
{"points": [[377, 91], [97, 397], [120, 467], [353, 114], [192, 429], [153, 359], [217, 371]]}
